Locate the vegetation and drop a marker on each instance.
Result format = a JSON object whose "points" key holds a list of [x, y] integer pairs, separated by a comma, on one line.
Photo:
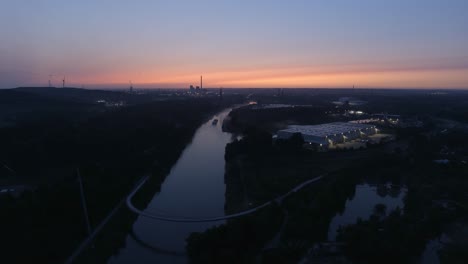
{"points": [[112, 149], [45, 137], [237, 241], [404, 233], [259, 169]]}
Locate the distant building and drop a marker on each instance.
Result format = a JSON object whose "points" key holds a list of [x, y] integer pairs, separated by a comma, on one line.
{"points": [[349, 101], [197, 89], [386, 116], [272, 106], [328, 134]]}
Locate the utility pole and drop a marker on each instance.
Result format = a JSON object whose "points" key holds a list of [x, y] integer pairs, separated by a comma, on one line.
{"points": [[83, 202]]}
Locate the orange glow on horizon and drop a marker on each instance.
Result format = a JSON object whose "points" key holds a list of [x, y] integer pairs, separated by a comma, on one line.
{"points": [[319, 77]]}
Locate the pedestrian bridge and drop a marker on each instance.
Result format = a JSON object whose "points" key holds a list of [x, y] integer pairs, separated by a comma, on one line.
{"points": [[210, 219]]}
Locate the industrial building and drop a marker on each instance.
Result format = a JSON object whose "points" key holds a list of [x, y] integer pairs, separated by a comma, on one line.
{"points": [[325, 135]]}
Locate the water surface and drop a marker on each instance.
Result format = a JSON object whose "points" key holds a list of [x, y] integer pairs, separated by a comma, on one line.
{"points": [[363, 203], [194, 188]]}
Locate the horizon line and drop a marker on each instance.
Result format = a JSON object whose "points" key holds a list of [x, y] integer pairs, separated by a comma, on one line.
{"points": [[216, 88]]}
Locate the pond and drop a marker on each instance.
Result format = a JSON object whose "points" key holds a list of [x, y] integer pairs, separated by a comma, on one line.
{"points": [[362, 205]]}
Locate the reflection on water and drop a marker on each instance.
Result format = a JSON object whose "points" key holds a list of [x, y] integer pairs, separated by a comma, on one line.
{"points": [[363, 203], [194, 188]]}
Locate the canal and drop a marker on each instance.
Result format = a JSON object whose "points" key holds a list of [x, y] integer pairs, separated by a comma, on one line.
{"points": [[194, 188]]}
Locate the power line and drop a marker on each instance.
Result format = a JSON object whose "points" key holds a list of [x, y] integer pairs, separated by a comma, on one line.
{"points": [[83, 202]]}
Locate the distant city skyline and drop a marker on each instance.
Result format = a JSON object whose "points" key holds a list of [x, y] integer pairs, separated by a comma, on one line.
{"points": [[238, 44]]}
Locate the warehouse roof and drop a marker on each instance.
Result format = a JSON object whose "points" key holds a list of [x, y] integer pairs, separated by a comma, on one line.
{"points": [[328, 129]]}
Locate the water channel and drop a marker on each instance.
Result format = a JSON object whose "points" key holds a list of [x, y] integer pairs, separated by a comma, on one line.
{"points": [[194, 188]]}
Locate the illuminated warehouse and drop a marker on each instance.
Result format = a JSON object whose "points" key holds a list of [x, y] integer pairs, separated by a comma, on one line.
{"points": [[330, 133]]}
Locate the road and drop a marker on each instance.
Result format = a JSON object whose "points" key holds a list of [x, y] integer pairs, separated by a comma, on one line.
{"points": [[278, 200]]}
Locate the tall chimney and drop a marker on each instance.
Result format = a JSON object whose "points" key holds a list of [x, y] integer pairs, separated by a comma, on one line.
{"points": [[201, 81]]}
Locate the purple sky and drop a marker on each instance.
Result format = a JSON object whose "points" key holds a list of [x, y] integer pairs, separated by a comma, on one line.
{"points": [[369, 43]]}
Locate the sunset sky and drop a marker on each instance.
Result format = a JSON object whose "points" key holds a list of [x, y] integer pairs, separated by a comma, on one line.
{"points": [[238, 43]]}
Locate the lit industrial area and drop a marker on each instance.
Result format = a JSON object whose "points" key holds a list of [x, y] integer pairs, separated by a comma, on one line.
{"points": [[326, 136]]}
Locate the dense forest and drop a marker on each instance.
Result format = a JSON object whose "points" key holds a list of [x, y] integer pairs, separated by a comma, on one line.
{"points": [[43, 221]]}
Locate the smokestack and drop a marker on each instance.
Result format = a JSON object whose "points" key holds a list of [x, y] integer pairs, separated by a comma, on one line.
{"points": [[201, 81]]}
